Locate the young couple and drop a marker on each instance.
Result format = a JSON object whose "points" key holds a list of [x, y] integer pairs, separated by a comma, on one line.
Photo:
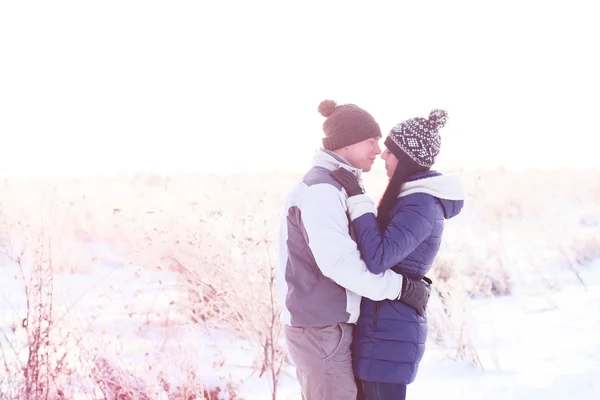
{"points": [[351, 276]]}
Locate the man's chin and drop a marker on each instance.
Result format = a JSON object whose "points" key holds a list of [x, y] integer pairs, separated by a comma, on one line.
{"points": [[367, 168]]}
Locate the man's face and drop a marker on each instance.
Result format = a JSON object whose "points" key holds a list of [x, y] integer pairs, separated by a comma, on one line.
{"points": [[363, 154]]}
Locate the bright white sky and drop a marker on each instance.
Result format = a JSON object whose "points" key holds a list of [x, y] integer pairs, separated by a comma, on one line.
{"points": [[170, 86]]}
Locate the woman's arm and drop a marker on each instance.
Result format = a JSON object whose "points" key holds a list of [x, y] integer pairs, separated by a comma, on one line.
{"points": [[407, 228]]}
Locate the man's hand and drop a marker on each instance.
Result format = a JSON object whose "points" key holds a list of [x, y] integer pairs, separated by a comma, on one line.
{"points": [[415, 293], [348, 181]]}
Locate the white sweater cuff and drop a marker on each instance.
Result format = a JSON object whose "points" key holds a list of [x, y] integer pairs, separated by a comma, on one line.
{"points": [[359, 205]]}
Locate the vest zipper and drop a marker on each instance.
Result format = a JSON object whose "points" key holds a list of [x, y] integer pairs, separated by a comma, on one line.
{"points": [[375, 314]]}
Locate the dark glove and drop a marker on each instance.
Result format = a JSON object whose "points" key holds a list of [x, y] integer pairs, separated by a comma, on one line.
{"points": [[348, 181], [415, 293]]}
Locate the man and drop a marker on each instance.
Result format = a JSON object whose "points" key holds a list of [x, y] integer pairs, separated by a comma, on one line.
{"points": [[321, 276]]}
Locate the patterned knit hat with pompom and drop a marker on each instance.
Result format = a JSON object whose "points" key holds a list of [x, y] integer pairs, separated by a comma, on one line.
{"points": [[346, 124], [419, 138]]}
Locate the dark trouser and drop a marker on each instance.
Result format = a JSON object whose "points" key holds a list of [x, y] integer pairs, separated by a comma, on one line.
{"points": [[381, 391]]}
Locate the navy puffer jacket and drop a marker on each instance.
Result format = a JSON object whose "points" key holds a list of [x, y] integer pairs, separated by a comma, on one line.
{"points": [[390, 337]]}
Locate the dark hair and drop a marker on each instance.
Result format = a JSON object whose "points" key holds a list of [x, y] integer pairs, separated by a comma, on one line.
{"points": [[404, 170]]}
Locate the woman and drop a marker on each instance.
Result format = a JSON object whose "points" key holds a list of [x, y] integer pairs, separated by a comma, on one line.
{"points": [[404, 234]]}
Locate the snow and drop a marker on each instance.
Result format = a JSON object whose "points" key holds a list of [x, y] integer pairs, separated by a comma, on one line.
{"points": [[533, 347], [534, 344]]}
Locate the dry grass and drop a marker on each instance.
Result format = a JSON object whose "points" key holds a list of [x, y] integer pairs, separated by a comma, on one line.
{"points": [[218, 235]]}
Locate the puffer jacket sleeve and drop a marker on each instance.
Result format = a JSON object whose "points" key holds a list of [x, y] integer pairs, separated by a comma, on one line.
{"points": [[408, 227], [336, 254]]}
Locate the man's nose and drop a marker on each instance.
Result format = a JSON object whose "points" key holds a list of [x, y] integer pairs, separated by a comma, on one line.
{"points": [[377, 148]]}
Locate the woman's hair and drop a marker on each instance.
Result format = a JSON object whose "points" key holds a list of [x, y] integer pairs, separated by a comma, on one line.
{"points": [[405, 169]]}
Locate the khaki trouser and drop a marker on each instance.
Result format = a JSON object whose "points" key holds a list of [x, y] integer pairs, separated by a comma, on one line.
{"points": [[323, 361]]}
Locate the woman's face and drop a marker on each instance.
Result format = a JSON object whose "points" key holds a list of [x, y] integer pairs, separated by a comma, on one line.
{"points": [[391, 162]]}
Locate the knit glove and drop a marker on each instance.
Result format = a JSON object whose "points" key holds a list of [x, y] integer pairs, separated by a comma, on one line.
{"points": [[348, 181], [415, 293]]}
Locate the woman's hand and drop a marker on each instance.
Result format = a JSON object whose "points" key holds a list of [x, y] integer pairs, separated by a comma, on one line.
{"points": [[415, 293], [348, 181]]}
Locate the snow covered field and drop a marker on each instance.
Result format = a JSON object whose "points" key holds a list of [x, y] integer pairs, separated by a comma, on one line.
{"points": [[544, 346], [125, 322]]}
